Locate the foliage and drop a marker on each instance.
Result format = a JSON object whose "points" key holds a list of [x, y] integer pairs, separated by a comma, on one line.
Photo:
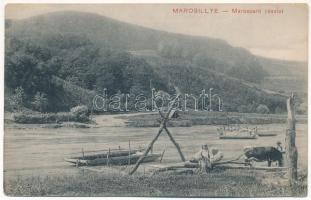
{"points": [[302, 108], [49, 118], [35, 64], [279, 110], [81, 112], [70, 67], [17, 99], [243, 109], [262, 109], [233, 62], [40, 102]]}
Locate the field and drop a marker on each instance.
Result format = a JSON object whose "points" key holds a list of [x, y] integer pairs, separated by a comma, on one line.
{"points": [[33, 156]]}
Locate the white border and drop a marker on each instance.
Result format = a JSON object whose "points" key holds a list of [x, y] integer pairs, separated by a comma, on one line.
{"points": [[4, 2]]}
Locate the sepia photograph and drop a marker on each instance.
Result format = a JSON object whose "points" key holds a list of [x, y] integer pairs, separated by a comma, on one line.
{"points": [[155, 100]]}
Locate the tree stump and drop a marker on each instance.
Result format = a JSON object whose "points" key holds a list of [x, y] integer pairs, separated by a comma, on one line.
{"points": [[291, 150]]}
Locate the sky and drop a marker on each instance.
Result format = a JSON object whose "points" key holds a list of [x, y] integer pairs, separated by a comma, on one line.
{"points": [[282, 35]]}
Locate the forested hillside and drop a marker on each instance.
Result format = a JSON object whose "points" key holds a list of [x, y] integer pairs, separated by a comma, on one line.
{"points": [[93, 52]]}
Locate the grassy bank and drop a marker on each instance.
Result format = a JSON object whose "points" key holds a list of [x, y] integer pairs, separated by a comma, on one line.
{"points": [[230, 183], [48, 118], [210, 118], [76, 114]]}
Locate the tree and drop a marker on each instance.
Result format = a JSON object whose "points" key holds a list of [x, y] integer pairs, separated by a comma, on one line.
{"points": [[279, 110], [40, 102], [137, 89], [243, 109], [263, 109], [20, 71], [17, 99], [302, 108], [81, 112]]}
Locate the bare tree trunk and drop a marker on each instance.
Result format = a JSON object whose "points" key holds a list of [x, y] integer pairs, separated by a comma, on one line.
{"points": [[291, 150]]}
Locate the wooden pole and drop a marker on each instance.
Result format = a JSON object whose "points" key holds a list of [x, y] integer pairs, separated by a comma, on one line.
{"points": [[167, 131], [290, 141], [108, 157], [91, 116], [129, 162], [147, 150], [162, 154], [162, 127]]}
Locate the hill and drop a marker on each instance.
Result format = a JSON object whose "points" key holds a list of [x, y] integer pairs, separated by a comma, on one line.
{"points": [[96, 52], [106, 32], [285, 76]]}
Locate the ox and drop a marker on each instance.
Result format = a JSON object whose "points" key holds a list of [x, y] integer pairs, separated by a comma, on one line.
{"points": [[263, 154]]}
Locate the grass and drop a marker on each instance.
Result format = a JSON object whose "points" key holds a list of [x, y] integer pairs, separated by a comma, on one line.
{"points": [[229, 183], [46, 118], [210, 118]]}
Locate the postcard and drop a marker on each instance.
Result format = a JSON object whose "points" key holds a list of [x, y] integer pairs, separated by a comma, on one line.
{"points": [[156, 100]]}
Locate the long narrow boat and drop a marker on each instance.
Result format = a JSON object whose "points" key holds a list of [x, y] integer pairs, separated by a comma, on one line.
{"points": [[89, 155], [121, 157], [266, 134], [237, 137]]}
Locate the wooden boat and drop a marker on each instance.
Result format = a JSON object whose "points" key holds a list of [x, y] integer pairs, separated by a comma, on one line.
{"points": [[237, 137], [89, 155], [112, 158], [266, 134]]}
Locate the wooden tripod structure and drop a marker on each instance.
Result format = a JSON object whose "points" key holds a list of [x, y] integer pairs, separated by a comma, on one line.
{"points": [[163, 126]]}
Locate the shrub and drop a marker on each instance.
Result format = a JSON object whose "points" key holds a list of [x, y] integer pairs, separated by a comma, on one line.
{"points": [[263, 109], [243, 109], [279, 110], [302, 108], [52, 117], [43, 118], [16, 101], [40, 102], [81, 112]]}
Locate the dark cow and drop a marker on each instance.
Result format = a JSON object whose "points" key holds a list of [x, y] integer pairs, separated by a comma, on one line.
{"points": [[264, 154]]}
